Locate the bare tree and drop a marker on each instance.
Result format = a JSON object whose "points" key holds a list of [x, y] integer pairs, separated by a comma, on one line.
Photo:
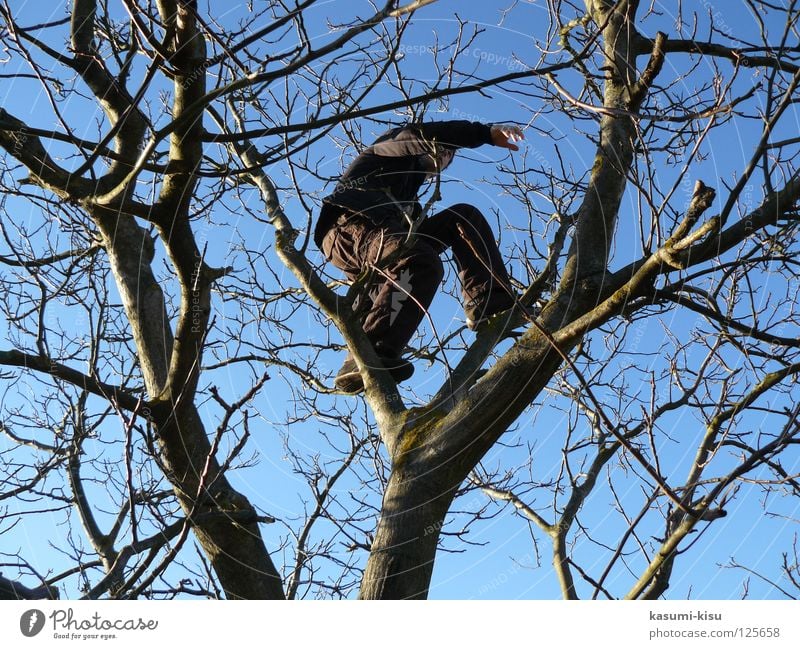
{"points": [[124, 425]]}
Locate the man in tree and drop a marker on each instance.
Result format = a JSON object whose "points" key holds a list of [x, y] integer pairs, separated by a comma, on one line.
{"points": [[366, 226]]}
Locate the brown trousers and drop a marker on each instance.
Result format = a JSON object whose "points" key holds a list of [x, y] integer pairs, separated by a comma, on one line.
{"points": [[398, 296]]}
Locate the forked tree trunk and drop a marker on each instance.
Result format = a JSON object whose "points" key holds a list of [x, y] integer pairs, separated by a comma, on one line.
{"points": [[452, 443]]}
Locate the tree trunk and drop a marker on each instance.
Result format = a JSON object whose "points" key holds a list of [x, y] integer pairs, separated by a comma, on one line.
{"points": [[225, 521], [452, 443], [401, 560]]}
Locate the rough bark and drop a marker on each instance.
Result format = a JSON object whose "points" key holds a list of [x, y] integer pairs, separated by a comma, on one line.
{"points": [[402, 554]]}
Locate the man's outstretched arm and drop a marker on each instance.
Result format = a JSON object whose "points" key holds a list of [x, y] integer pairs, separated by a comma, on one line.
{"points": [[419, 138]]}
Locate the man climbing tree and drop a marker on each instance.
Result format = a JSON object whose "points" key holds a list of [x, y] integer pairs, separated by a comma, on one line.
{"points": [[164, 324], [373, 224]]}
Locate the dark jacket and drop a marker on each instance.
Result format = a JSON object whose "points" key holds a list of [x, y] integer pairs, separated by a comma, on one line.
{"points": [[384, 179]]}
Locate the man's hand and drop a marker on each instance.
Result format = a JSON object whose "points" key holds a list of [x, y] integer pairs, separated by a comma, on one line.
{"points": [[505, 135]]}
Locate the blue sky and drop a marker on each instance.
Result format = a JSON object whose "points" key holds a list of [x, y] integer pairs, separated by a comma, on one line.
{"points": [[513, 563]]}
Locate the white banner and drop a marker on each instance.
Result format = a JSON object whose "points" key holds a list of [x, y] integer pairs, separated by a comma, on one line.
{"points": [[390, 625]]}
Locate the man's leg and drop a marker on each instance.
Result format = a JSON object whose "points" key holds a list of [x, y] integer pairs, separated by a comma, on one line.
{"points": [[399, 295], [485, 284], [402, 291]]}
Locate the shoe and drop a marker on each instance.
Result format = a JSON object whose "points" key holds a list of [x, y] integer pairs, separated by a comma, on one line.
{"points": [[480, 309], [349, 381]]}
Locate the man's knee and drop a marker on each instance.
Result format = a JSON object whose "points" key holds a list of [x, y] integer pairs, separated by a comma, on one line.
{"points": [[468, 213], [424, 261]]}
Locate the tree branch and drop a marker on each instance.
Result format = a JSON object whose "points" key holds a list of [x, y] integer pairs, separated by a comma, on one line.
{"points": [[62, 372]]}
